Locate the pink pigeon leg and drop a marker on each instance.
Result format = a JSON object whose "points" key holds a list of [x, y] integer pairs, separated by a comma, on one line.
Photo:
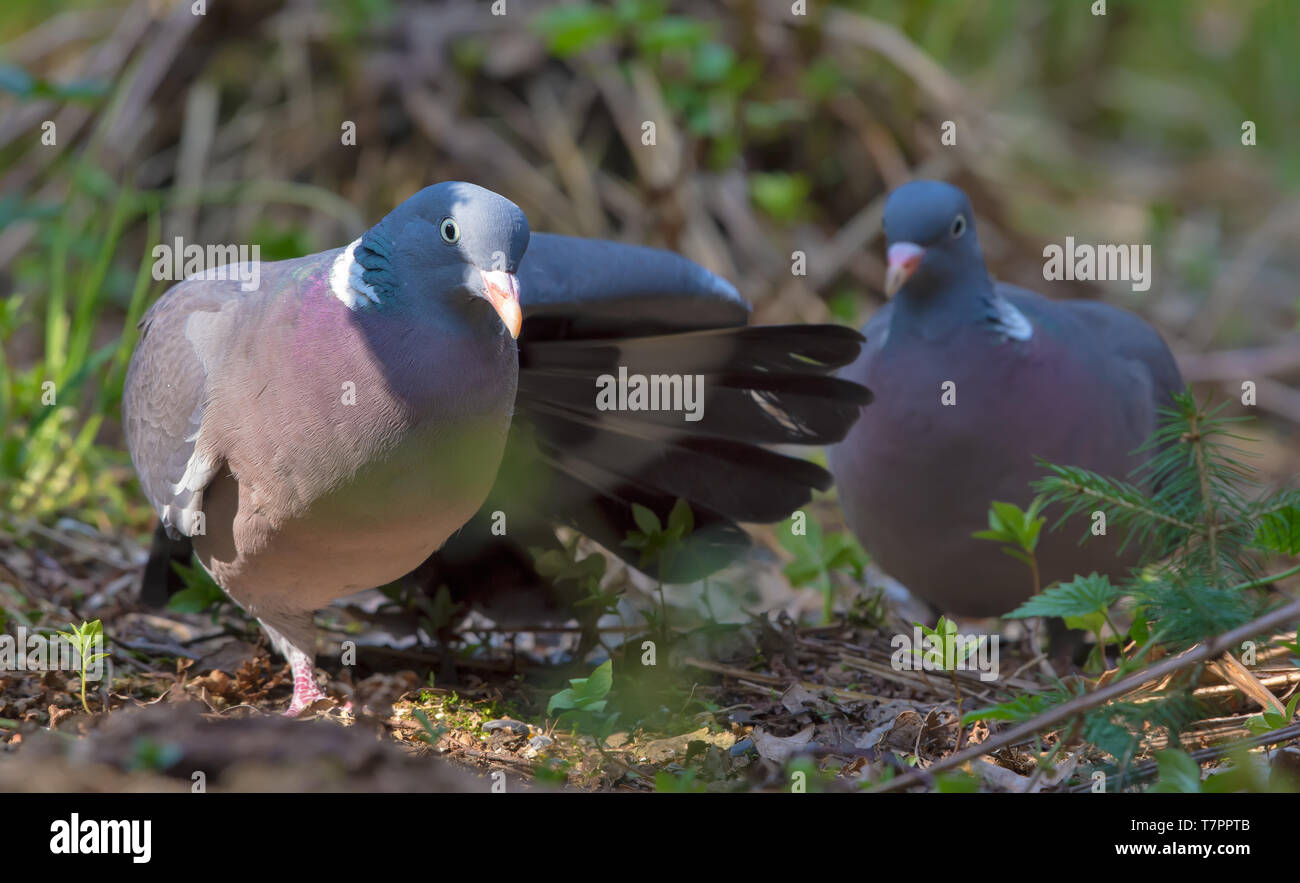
{"points": [[305, 691]]}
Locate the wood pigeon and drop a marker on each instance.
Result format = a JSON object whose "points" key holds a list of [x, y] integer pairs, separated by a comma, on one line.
{"points": [[974, 380], [447, 375]]}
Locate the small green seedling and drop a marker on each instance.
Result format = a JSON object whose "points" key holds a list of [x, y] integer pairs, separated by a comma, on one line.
{"points": [[1273, 719], [1017, 530], [439, 612], [1294, 647], [661, 544], [658, 543], [945, 652], [817, 556], [561, 566], [429, 734], [84, 638], [583, 702]]}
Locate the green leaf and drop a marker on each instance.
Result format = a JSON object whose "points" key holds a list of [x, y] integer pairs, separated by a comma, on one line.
{"points": [[551, 564], [1140, 630], [431, 734], [83, 637], [1081, 596], [957, 782], [712, 62], [1020, 708], [1018, 555], [561, 701], [804, 547], [572, 28], [646, 520], [1279, 531], [845, 306], [681, 519], [592, 567], [843, 552], [1179, 773], [440, 611], [193, 600], [942, 650], [200, 593], [585, 695], [801, 573], [1272, 720], [1089, 622], [1259, 725], [772, 115], [1016, 527], [671, 32], [781, 195], [1109, 735], [821, 79], [601, 680]]}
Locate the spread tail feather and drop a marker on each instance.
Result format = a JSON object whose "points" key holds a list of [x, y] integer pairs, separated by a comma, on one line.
{"points": [[572, 460]]}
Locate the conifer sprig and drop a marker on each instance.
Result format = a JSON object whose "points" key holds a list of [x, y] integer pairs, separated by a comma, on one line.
{"points": [[1204, 531], [1187, 505]]}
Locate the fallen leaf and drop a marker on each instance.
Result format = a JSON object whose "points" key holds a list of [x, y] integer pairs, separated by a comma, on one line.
{"points": [[779, 748], [797, 700], [663, 749]]}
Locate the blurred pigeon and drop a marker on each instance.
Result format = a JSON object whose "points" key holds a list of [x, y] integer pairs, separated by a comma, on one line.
{"points": [[331, 430], [1075, 382]]}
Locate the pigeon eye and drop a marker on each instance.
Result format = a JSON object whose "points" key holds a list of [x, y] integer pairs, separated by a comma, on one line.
{"points": [[450, 231], [958, 226]]}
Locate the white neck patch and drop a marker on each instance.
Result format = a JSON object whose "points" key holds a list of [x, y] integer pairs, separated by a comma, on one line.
{"points": [[1009, 321], [345, 280]]}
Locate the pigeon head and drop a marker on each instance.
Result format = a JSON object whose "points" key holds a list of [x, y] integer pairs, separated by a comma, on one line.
{"points": [[930, 233], [453, 241]]}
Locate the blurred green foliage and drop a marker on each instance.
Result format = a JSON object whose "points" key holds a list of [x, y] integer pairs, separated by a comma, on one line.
{"points": [[18, 82], [818, 555], [52, 410]]}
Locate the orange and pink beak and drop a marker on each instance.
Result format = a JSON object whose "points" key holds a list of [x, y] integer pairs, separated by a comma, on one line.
{"points": [[904, 258], [501, 289]]}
